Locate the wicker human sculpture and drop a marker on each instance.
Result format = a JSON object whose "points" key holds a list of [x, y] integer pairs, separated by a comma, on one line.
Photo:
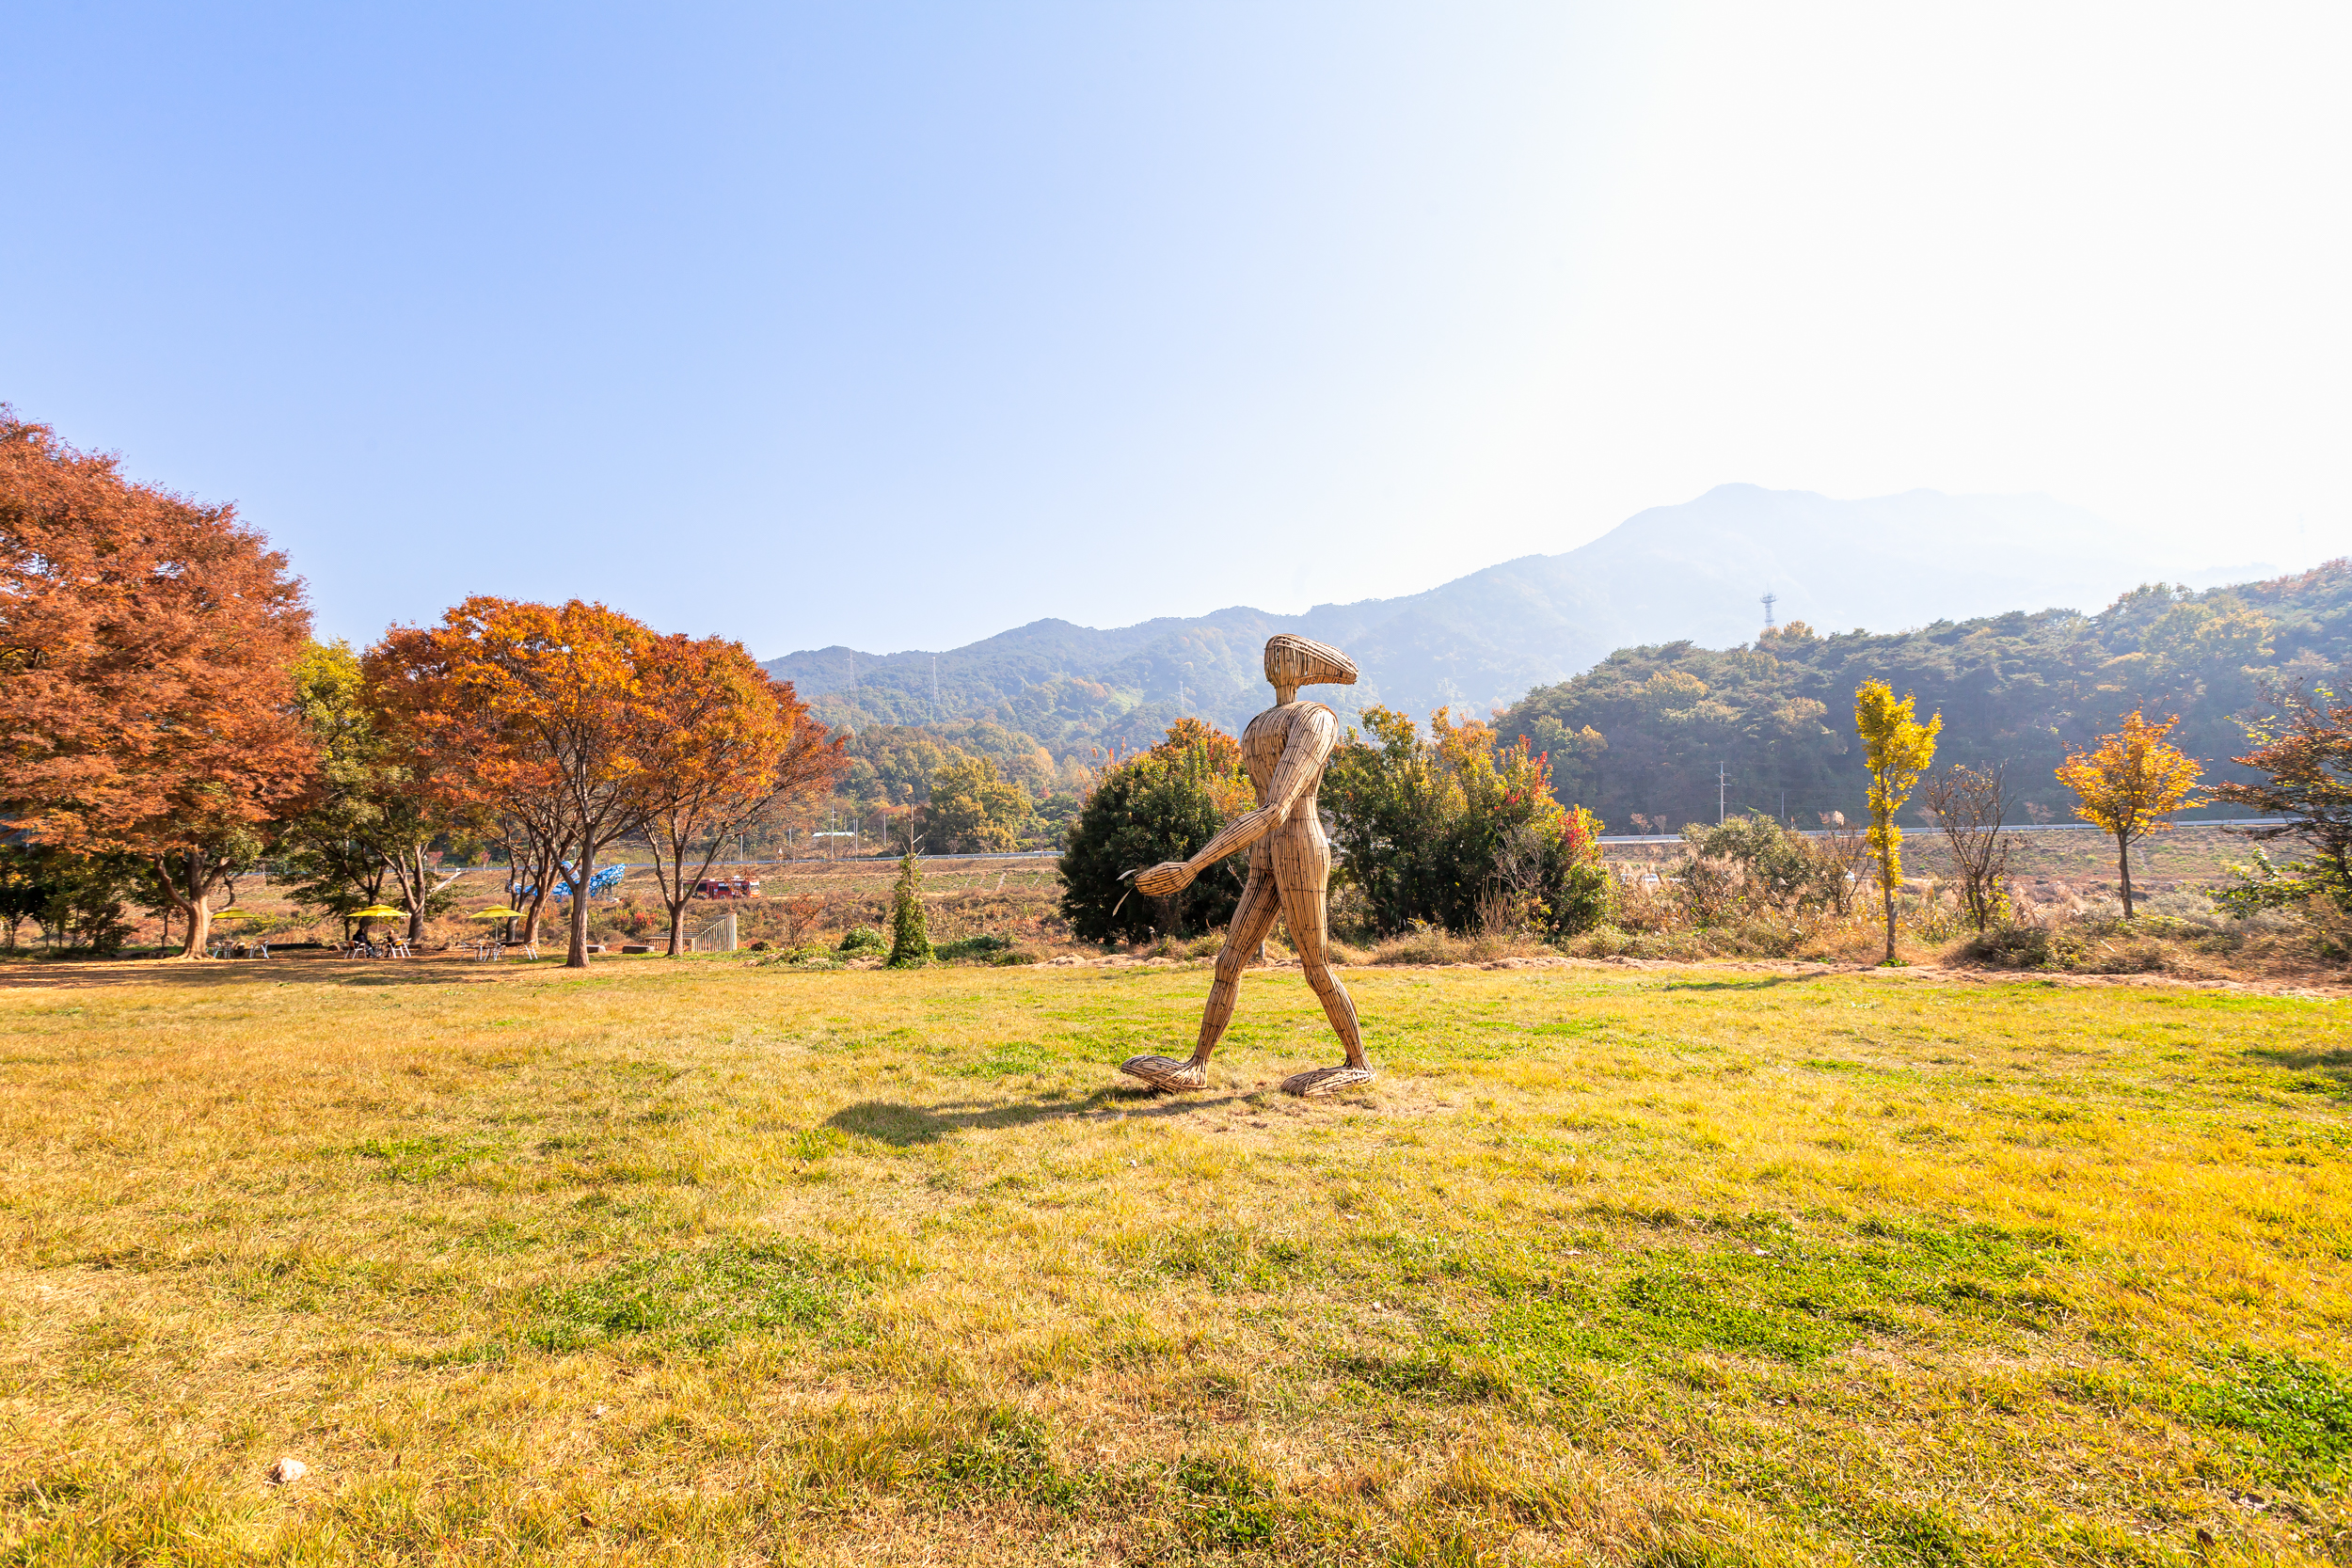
{"points": [[1284, 750]]}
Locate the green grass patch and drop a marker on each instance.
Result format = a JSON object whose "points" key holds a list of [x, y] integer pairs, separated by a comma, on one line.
{"points": [[1226, 1505], [1766, 1295], [700, 1296], [1221, 1259], [2301, 1410], [427, 1157], [1007, 1457]]}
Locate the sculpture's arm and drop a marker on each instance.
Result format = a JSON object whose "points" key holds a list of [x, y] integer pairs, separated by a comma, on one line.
{"points": [[1309, 747]]}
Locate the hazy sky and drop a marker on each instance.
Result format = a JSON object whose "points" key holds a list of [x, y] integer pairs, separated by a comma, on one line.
{"points": [[901, 325]]}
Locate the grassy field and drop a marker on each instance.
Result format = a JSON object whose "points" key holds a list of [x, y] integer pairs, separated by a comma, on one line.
{"points": [[701, 1264]]}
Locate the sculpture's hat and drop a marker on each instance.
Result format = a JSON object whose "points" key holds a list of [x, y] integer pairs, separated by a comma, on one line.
{"points": [[1296, 661]]}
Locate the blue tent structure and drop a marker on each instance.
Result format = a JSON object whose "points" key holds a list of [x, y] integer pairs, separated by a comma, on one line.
{"points": [[601, 882]]}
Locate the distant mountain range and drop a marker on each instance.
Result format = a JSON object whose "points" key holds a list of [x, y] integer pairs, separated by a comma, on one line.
{"points": [[1696, 571]]}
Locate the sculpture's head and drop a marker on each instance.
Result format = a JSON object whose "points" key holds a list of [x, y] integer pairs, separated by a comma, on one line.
{"points": [[1292, 662]]}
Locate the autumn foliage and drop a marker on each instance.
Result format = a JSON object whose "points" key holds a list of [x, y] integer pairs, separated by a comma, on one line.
{"points": [[2128, 782], [1897, 749], [1454, 830], [1155, 805], [147, 643], [2305, 752], [577, 725], [725, 744]]}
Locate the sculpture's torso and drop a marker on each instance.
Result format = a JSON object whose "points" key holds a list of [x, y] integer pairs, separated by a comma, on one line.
{"points": [[1262, 744]]}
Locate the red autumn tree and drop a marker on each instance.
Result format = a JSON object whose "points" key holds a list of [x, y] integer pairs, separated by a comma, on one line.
{"points": [[475, 768], [533, 709], [726, 745], [147, 649], [2305, 752]]}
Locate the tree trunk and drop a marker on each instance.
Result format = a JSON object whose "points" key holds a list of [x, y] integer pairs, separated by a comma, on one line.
{"points": [[672, 884], [2123, 865], [575, 957], [199, 927], [192, 904], [543, 872], [417, 900], [1887, 886], [419, 883]]}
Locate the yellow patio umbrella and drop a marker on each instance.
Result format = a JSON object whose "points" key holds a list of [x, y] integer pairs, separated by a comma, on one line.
{"points": [[378, 912], [496, 915]]}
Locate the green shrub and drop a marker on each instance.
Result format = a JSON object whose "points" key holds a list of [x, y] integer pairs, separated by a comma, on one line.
{"points": [[2093, 945], [1162, 805], [2011, 946], [986, 949], [861, 939], [909, 938], [810, 954], [1452, 831], [78, 900]]}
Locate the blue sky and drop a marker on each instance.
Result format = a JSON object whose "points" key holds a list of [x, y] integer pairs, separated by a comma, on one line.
{"points": [[901, 325]]}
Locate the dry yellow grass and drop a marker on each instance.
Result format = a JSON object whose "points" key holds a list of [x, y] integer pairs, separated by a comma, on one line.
{"points": [[703, 1263]]}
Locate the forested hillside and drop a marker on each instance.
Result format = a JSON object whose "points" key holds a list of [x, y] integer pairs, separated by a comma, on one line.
{"points": [[1695, 570], [1645, 730]]}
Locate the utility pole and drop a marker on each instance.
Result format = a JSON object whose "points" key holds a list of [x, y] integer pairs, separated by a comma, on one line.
{"points": [[1719, 795]]}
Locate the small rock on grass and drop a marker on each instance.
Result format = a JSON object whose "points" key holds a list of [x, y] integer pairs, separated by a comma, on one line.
{"points": [[287, 1469]]}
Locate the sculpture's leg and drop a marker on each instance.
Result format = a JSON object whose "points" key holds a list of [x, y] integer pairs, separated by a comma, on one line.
{"points": [[1253, 918], [1302, 865]]}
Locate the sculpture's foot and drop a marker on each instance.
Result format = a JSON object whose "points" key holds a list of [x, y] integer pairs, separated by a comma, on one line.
{"points": [[1323, 1080], [1164, 1073]]}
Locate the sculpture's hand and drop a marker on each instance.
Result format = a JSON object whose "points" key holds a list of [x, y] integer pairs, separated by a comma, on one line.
{"points": [[1164, 878]]}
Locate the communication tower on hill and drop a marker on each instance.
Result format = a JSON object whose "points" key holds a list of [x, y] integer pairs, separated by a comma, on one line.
{"points": [[1769, 599]]}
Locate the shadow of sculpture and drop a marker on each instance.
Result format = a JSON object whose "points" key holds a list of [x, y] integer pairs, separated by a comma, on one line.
{"points": [[906, 1126]]}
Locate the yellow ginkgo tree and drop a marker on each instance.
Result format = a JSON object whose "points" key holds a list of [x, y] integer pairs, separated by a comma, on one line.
{"points": [[2128, 782], [1897, 749]]}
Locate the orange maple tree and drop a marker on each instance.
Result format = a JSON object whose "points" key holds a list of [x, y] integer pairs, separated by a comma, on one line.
{"points": [[2128, 785], [147, 650], [533, 711], [725, 744], [458, 760]]}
